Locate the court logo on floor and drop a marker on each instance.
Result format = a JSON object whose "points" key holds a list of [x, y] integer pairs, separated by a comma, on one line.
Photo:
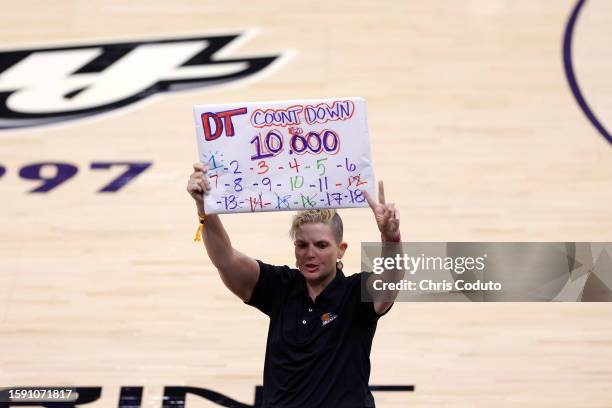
{"points": [[41, 86]]}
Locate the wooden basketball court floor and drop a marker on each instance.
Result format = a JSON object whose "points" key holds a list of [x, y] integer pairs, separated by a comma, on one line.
{"points": [[474, 130]]}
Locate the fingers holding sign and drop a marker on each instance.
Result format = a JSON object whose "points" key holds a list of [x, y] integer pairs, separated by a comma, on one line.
{"points": [[198, 183], [386, 215]]}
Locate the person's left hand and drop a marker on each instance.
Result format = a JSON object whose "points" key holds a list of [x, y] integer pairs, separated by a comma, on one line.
{"points": [[386, 215]]}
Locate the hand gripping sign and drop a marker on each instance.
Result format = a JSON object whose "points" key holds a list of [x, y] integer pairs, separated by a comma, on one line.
{"points": [[288, 155]]}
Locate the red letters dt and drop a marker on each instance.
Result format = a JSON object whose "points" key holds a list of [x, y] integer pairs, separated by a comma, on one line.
{"points": [[221, 120]]}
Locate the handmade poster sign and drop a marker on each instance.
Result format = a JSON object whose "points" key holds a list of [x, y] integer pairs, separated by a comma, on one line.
{"points": [[290, 155]]}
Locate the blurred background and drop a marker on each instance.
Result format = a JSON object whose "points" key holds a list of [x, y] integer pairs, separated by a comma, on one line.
{"points": [[480, 127]]}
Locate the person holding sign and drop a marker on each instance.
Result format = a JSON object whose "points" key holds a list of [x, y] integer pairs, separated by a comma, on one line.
{"points": [[320, 332]]}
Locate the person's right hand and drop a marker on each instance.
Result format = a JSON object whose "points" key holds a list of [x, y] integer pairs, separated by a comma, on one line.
{"points": [[198, 184]]}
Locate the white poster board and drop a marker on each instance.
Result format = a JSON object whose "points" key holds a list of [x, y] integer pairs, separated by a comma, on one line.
{"points": [[285, 156]]}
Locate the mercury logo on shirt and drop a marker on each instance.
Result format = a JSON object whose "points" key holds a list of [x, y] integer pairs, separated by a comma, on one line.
{"points": [[327, 318]]}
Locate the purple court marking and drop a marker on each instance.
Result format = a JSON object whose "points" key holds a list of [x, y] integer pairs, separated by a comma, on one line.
{"points": [[571, 76]]}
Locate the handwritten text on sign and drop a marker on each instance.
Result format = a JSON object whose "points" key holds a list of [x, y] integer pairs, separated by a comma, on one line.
{"points": [[279, 156]]}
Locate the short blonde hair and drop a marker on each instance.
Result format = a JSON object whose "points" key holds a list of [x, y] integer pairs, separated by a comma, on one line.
{"points": [[329, 217]]}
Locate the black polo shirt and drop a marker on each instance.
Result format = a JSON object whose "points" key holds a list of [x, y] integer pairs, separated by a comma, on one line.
{"points": [[317, 354]]}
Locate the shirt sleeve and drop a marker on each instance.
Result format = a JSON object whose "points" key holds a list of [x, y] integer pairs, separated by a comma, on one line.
{"points": [[272, 284], [365, 309]]}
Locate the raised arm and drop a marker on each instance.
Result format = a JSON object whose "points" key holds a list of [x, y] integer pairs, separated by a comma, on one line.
{"points": [[238, 271], [387, 220]]}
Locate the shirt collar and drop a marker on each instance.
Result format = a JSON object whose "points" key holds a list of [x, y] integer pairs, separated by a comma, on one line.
{"points": [[328, 292]]}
